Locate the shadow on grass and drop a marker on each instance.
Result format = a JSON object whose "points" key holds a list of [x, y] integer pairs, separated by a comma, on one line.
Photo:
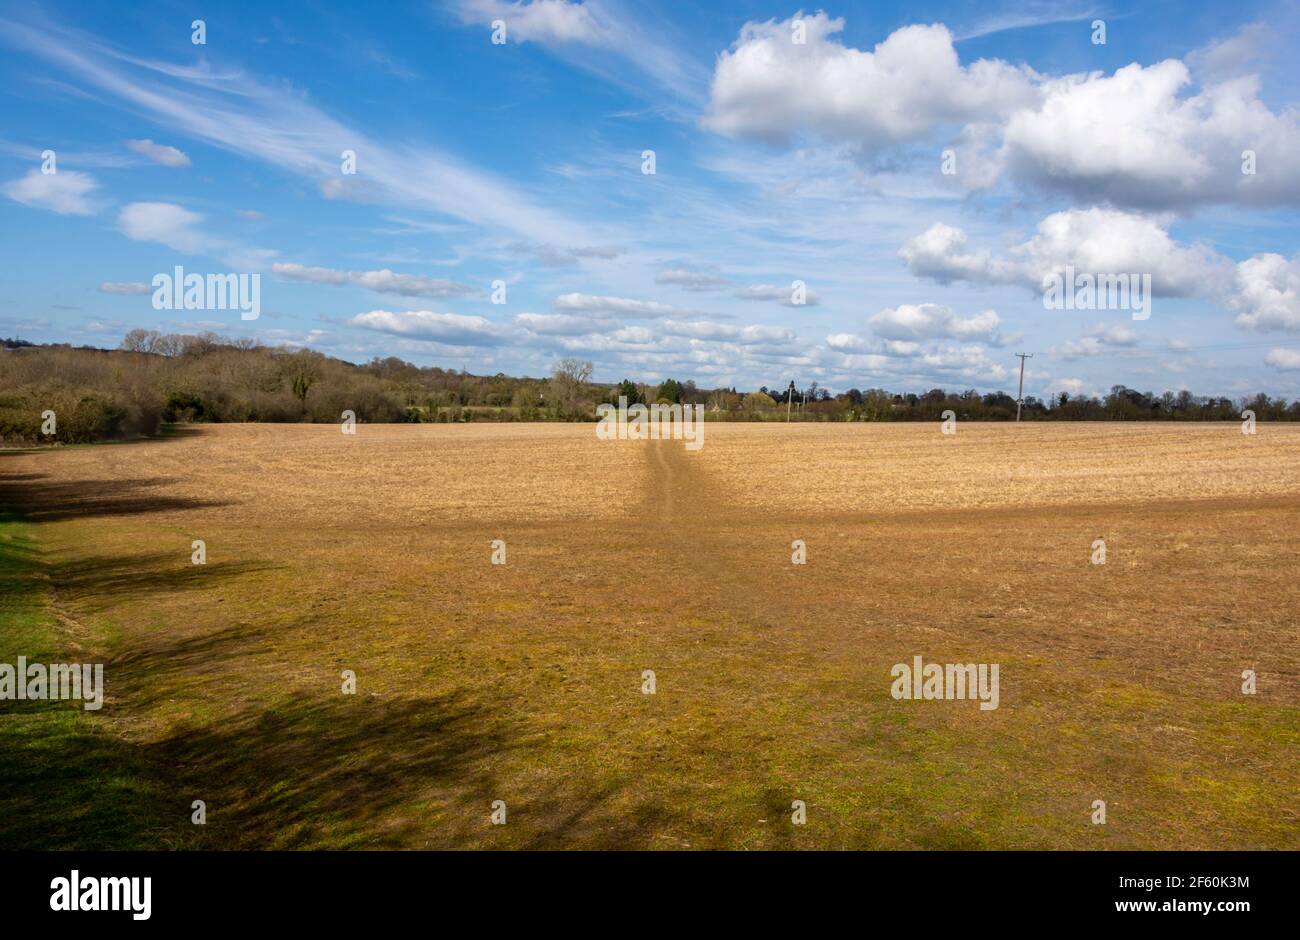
{"points": [[338, 773], [343, 772], [592, 822], [305, 771], [174, 665], [53, 501], [101, 582], [332, 770], [168, 432], [323, 770], [319, 770], [40, 499], [355, 771]]}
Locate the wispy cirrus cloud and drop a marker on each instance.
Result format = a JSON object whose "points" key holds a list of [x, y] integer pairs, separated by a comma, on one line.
{"points": [[239, 114], [601, 36], [619, 306], [692, 280], [1028, 16], [124, 287], [556, 256], [774, 293]]}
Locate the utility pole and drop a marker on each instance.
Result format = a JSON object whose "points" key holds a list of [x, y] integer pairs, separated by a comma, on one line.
{"points": [[1020, 394], [789, 399]]}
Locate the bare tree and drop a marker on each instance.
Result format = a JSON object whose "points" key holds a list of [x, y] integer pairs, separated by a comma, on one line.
{"points": [[575, 371], [568, 377], [139, 340], [169, 344]]}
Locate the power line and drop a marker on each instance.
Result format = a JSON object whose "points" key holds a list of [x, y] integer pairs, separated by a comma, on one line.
{"points": [[1020, 393]]}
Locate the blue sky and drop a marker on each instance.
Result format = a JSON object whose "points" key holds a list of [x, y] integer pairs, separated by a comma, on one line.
{"points": [[776, 161]]}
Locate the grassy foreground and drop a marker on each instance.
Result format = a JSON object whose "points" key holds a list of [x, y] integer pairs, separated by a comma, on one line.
{"points": [[69, 781], [523, 682]]}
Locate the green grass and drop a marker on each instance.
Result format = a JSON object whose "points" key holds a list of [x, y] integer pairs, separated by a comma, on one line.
{"points": [[68, 782]]}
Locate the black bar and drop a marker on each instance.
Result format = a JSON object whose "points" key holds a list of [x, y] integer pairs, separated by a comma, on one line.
{"points": [[637, 891]]}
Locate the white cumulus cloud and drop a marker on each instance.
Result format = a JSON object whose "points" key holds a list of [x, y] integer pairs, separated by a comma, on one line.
{"points": [[1267, 293], [769, 87], [452, 329], [1136, 139], [1285, 359], [1096, 241], [66, 192], [383, 281], [544, 21], [159, 153], [617, 306], [934, 321], [163, 222]]}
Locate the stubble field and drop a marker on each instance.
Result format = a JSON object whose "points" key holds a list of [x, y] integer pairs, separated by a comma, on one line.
{"points": [[523, 682]]}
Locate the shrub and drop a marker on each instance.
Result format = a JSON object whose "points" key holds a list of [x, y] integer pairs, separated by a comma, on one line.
{"points": [[79, 417], [183, 407]]}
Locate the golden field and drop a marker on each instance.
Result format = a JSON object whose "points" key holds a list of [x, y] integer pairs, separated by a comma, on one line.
{"points": [[523, 683]]}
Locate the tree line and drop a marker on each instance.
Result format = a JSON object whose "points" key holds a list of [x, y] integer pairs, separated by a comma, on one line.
{"points": [[154, 379]]}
